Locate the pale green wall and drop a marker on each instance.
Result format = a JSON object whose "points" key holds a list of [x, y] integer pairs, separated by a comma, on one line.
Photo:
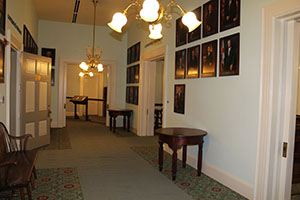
{"points": [[70, 41], [22, 12], [226, 107]]}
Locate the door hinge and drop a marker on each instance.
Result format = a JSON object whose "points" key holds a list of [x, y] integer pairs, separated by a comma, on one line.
{"points": [[284, 149]]}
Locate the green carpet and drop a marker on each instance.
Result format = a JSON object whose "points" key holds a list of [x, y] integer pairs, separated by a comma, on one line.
{"points": [[60, 183], [202, 187], [59, 139], [295, 191]]}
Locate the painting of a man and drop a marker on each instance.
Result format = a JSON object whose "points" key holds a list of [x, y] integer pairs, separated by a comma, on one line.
{"points": [[49, 53], [179, 98], [193, 63], [230, 14], [210, 18], [229, 59], [181, 33], [209, 59], [180, 64], [196, 34], [2, 16]]}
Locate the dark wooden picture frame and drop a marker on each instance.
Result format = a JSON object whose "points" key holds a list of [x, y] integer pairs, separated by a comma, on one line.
{"points": [[180, 64], [193, 62], [209, 59], [135, 95], [132, 95], [230, 14], [179, 98], [2, 16], [181, 33], [136, 77], [210, 18], [133, 53], [2, 56], [230, 55], [48, 52], [127, 94], [196, 34]]}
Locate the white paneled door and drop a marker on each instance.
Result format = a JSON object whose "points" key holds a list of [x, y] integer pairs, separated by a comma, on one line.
{"points": [[35, 99]]}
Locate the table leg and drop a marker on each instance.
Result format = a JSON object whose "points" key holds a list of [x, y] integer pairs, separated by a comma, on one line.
{"points": [[160, 155], [184, 156], [128, 123], [199, 159], [75, 111], [174, 164], [86, 112], [124, 122], [110, 123], [114, 126]]}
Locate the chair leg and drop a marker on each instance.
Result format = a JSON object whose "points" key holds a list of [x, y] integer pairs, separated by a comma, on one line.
{"points": [[34, 172], [22, 194], [32, 182], [29, 192]]}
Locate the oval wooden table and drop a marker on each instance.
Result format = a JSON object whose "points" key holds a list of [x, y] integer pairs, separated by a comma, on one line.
{"points": [[177, 138]]}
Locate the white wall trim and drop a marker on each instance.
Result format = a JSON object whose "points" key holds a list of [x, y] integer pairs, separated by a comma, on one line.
{"points": [[226, 179], [277, 104], [142, 107]]}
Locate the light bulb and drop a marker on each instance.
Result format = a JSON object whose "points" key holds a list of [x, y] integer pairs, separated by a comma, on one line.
{"points": [[149, 15], [118, 21], [190, 20], [81, 74], [151, 5], [84, 66], [100, 67], [155, 31], [91, 74]]}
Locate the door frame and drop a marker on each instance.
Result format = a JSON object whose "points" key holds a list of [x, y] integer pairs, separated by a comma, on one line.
{"points": [[278, 97], [16, 44], [62, 87], [147, 61]]}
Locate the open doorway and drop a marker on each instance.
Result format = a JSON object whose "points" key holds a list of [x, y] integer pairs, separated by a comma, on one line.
{"points": [[95, 88], [152, 91]]}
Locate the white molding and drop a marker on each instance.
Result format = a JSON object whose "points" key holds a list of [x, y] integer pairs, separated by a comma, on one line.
{"points": [[146, 58], [226, 179], [54, 125], [277, 104]]}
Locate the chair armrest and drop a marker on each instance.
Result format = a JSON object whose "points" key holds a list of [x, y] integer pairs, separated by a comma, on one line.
{"points": [[23, 142], [8, 163]]}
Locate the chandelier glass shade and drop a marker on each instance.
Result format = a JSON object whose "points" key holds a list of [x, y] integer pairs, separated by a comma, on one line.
{"points": [[153, 12], [93, 54]]}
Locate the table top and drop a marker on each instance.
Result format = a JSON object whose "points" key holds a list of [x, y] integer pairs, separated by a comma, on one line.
{"points": [[119, 110], [181, 132]]}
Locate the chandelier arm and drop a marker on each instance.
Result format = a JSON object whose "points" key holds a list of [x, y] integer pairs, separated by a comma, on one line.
{"points": [[173, 4], [135, 3]]}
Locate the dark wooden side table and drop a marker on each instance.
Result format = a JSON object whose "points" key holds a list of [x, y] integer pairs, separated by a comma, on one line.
{"points": [[114, 113], [177, 138]]}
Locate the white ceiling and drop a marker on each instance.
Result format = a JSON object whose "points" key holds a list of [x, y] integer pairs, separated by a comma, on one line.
{"points": [[62, 10]]}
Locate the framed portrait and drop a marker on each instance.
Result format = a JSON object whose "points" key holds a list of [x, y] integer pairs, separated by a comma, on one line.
{"points": [[210, 18], [230, 14], [131, 91], [193, 62], [196, 34], [135, 95], [49, 53], [2, 50], [209, 59], [128, 75], [127, 94], [181, 33], [52, 77], [180, 64], [179, 98], [128, 56], [230, 55], [2, 16], [138, 50], [136, 73]]}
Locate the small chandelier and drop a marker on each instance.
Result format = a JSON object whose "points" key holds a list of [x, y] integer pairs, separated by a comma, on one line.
{"points": [[153, 12], [93, 54]]}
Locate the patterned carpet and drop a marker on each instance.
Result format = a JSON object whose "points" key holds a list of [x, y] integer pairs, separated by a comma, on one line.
{"points": [[61, 183], [296, 191], [59, 139], [200, 188]]}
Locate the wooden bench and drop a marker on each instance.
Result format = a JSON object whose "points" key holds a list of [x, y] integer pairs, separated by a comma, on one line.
{"points": [[16, 165]]}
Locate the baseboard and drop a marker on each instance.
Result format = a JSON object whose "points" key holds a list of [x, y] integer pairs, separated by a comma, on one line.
{"points": [[54, 125], [226, 179]]}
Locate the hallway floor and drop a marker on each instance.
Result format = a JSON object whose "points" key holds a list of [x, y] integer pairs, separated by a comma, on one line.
{"points": [[107, 167]]}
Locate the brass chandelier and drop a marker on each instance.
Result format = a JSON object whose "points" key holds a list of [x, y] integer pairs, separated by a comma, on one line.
{"points": [[153, 12], [93, 54]]}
